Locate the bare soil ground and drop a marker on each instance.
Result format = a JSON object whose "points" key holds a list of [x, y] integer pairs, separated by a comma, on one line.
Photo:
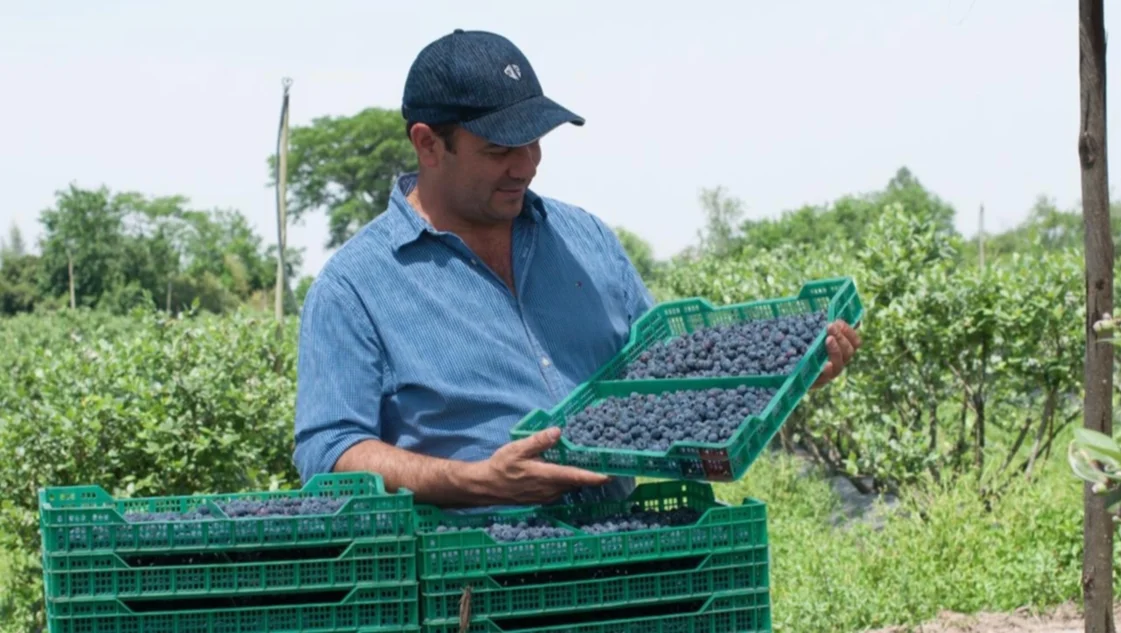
{"points": [[1065, 619]]}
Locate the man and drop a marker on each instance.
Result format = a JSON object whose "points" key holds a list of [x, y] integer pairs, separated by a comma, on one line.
{"points": [[469, 302]]}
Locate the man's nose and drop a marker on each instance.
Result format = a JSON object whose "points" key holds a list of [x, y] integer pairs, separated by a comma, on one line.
{"points": [[524, 163]]}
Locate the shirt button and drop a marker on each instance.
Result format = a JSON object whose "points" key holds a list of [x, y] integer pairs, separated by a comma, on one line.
{"points": [[474, 262], [545, 362]]}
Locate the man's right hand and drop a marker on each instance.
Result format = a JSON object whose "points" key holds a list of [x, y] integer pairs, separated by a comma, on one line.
{"points": [[515, 475]]}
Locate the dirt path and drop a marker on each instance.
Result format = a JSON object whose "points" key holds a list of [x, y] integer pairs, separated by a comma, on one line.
{"points": [[1066, 619]]}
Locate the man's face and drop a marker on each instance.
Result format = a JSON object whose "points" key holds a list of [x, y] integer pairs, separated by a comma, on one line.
{"points": [[482, 182]]}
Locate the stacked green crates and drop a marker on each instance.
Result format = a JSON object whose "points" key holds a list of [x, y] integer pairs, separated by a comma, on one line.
{"points": [[710, 574], [723, 461], [347, 567]]}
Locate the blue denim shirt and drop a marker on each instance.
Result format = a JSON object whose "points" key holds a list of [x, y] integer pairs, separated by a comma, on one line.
{"points": [[407, 337]]}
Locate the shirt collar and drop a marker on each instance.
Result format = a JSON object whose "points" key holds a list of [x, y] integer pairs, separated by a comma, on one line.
{"points": [[406, 225]]}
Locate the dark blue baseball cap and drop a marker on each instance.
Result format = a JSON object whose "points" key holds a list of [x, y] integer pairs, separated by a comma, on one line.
{"points": [[483, 83]]}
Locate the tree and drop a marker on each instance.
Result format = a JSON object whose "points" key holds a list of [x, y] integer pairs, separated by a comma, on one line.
{"points": [[847, 219], [14, 245], [18, 282], [82, 245], [722, 218], [1097, 565], [639, 251], [346, 166]]}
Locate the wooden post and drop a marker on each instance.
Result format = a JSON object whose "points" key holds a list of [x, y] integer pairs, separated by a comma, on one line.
{"points": [[1097, 529], [281, 204]]}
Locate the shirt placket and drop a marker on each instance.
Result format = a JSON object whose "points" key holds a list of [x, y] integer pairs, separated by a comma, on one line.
{"points": [[524, 243]]}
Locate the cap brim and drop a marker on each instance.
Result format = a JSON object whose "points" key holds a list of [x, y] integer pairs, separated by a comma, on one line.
{"points": [[522, 123]]}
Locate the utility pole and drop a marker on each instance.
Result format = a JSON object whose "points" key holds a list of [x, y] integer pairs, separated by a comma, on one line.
{"points": [[1097, 528], [281, 205]]}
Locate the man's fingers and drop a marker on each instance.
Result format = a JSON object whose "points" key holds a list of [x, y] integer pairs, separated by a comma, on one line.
{"points": [[537, 443], [847, 350], [826, 376], [849, 333], [836, 354], [567, 474], [833, 367]]}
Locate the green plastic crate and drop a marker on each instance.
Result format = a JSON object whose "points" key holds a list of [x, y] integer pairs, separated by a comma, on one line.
{"points": [[88, 519], [492, 596], [720, 528], [837, 297], [102, 576], [729, 612], [375, 608], [722, 461]]}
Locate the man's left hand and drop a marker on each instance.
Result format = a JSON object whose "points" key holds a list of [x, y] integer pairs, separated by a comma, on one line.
{"points": [[841, 343]]}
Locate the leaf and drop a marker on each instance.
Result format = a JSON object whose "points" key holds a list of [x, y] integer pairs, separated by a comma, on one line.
{"points": [[1101, 446], [1080, 465]]}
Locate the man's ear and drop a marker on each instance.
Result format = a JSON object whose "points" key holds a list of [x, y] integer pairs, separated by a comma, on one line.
{"points": [[429, 148]]}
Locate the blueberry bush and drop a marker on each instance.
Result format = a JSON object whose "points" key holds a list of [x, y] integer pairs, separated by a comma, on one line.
{"points": [[141, 405]]}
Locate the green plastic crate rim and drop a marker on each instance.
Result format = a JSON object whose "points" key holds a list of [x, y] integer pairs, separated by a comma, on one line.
{"points": [[730, 571], [473, 552], [723, 461], [729, 612], [365, 607], [87, 518], [105, 576]]}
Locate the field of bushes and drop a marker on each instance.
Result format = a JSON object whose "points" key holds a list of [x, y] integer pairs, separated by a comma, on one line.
{"points": [[960, 405]]}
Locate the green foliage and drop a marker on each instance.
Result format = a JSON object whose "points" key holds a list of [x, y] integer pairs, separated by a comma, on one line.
{"points": [[722, 216], [346, 166], [941, 548], [85, 233], [19, 290], [846, 221], [141, 405], [302, 288], [640, 253], [14, 245], [128, 250], [959, 365], [967, 379], [1047, 228]]}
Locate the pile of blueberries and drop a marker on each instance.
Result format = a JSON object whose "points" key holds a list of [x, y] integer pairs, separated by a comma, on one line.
{"points": [[750, 348], [639, 519], [535, 529], [247, 508], [529, 529], [184, 525], [288, 506], [653, 422]]}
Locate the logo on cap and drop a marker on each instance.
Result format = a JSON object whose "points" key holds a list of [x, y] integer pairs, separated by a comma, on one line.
{"points": [[513, 72]]}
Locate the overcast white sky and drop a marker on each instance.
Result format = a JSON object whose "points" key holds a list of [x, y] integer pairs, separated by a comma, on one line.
{"points": [[784, 103]]}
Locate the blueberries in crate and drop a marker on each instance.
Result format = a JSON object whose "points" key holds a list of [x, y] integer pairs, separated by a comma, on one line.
{"points": [[639, 519], [531, 529], [750, 348], [649, 422], [289, 506]]}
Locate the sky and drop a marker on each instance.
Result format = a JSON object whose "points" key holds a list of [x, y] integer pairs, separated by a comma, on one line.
{"points": [[782, 103]]}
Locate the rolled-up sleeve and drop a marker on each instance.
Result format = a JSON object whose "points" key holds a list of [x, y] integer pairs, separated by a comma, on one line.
{"points": [[339, 375]]}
